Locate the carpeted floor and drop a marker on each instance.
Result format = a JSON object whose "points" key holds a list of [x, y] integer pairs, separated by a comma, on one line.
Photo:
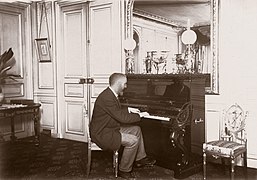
{"points": [[65, 159]]}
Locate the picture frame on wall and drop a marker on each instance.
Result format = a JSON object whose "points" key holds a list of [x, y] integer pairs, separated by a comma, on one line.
{"points": [[43, 49]]}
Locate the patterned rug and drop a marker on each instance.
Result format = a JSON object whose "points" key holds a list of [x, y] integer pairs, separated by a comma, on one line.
{"points": [[66, 159]]}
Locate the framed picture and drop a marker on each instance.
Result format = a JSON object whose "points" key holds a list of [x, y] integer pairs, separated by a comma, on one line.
{"points": [[43, 50]]}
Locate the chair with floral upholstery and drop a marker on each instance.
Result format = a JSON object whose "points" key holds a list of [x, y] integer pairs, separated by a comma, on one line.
{"points": [[232, 142]]}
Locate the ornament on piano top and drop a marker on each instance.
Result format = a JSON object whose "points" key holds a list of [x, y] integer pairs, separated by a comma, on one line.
{"points": [[156, 62], [129, 46], [186, 62], [180, 62], [130, 63]]}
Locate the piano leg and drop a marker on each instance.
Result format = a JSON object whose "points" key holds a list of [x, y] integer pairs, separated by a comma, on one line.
{"points": [[177, 139], [170, 148]]}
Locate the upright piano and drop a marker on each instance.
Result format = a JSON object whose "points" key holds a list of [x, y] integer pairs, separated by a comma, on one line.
{"points": [[174, 131]]}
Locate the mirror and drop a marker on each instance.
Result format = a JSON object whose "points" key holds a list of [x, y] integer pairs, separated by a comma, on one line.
{"points": [[157, 27]]}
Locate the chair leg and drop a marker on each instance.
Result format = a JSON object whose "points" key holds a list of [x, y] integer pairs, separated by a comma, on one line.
{"points": [[88, 161], [115, 163], [223, 165], [204, 165], [232, 169], [245, 164]]}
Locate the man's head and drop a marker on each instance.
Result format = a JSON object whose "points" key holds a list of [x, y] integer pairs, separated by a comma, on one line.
{"points": [[118, 82]]}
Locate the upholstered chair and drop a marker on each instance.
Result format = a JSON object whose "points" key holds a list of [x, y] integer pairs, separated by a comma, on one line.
{"points": [[232, 142]]}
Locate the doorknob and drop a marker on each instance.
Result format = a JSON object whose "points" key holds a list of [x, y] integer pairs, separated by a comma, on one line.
{"points": [[82, 81], [86, 81], [90, 81]]}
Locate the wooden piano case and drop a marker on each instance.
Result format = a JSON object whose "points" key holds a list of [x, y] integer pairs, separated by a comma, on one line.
{"points": [[174, 144]]}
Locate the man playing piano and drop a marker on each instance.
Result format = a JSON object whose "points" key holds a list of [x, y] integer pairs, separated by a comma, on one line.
{"points": [[111, 127]]}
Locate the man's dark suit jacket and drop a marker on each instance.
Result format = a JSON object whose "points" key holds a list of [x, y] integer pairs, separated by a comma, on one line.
{"points": [[106, 120]]}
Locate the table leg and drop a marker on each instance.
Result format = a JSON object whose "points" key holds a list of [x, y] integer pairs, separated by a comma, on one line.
{"points": [[13, 137], [36, 128]]}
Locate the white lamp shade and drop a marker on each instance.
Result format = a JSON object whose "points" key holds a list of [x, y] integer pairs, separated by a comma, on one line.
{"points": [[188, 37], [129, 44]]}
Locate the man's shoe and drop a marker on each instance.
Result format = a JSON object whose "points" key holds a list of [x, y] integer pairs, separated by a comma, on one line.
{"points": [[126, 175], [145, 162]]}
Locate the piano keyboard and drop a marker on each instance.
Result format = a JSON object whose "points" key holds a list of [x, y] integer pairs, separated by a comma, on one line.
{"points": [[160, 118]]}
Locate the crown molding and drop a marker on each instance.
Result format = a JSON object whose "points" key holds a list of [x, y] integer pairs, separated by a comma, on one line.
{"points": [[74, 2], [157, 18]]}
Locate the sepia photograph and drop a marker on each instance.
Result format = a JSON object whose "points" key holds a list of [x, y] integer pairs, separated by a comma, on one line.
{"points": [[128, 89]]}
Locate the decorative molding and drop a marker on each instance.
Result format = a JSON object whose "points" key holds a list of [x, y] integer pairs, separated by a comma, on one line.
{"points": [[48, 118], [72, 108], [62, 3], [156, 18], [201, 24], [128, 18], [73, 90], [214, 46], [45, 76], [14, 90], [18, 5]]}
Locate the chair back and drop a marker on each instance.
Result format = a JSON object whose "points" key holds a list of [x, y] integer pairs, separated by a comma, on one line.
{"points": [[233, 124]]}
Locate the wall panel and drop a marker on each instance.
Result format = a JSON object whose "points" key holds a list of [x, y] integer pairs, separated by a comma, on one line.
{"points": [[48, 116], [74, 50], [75, 121], [45, 76]]}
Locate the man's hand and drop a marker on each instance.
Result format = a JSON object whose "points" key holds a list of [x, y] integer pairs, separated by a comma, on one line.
{"points": [[143, 114], [133, 110]]}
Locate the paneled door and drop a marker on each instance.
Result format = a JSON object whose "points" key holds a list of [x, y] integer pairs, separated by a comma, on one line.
{"points": [[89, 50], [72, 72]]}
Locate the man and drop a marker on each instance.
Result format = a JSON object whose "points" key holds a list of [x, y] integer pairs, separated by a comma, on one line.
{"points": [[109, 127]]}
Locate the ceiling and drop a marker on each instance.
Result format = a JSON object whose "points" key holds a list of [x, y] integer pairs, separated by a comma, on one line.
{"points": [[178, 11]]}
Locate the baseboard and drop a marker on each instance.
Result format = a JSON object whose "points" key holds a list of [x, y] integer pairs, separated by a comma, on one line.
{"points": [[46, 132], [252, 162], [55, 135]]}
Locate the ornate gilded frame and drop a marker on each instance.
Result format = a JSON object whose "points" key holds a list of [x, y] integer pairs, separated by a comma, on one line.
{"points": [[214, 89], [214, 47], [128, 18]]}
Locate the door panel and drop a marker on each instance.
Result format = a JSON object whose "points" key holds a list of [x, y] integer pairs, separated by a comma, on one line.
{"points": [[72, 72], [74, 47], [105, 38], [89, 37], [75, 125], [105, 43]]}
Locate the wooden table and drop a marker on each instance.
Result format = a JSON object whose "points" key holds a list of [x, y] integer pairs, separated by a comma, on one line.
{"points": [[13, 110]]}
